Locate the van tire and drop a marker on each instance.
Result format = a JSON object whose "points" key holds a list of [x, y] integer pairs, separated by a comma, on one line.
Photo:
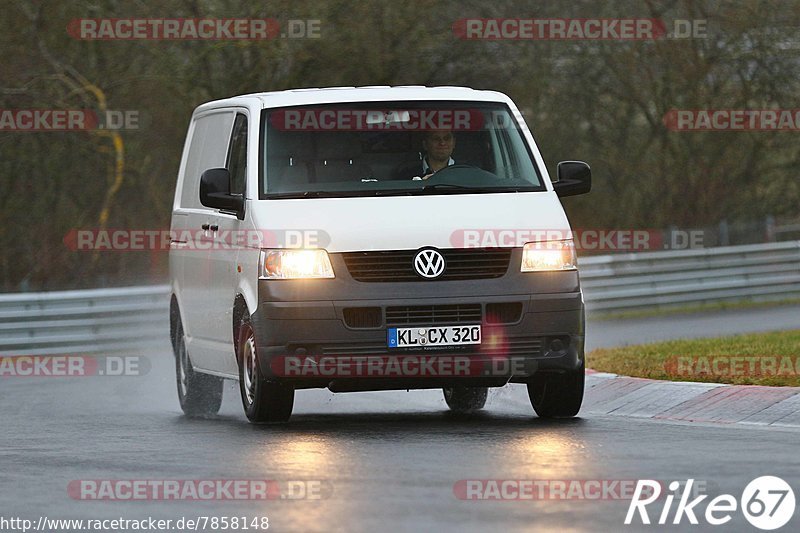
{"points": [[557, 395], [199, 394], [264, 401], [465, 399]]}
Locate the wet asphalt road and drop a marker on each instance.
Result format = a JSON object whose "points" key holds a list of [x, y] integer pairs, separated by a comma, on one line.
{"points": [[387, 461], [607, 333]]}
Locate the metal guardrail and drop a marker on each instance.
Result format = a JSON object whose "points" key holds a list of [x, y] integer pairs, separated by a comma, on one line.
{"points": [[136, 318], [662, 279], [78, 322]]}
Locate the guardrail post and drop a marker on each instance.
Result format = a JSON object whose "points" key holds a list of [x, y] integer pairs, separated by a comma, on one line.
{"points": [[769, 224], [724, 233]]}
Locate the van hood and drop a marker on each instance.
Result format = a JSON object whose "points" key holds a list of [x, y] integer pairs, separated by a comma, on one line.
{"points": [[412, 222]]}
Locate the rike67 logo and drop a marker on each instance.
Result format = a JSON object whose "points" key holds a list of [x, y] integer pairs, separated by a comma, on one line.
{"points": [[767, 502]]}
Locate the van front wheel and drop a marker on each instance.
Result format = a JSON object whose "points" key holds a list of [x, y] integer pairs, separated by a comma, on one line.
{"points": [[264, 401], [557, 395]]}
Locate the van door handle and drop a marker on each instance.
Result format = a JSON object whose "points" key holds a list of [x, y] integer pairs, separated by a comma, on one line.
{"points": [[214, 227], [205, 226]]}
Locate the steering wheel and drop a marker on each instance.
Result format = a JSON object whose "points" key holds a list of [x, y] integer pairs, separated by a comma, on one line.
{"points": [[438, 174]]}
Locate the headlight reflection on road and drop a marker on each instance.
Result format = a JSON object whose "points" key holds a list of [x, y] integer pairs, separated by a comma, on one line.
{"points": [[309, 476], [302, 457], [549, 453]]}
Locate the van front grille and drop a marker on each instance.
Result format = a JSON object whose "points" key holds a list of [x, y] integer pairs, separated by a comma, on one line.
{"points": [[398, 265], [511, 347], [430, 315]]}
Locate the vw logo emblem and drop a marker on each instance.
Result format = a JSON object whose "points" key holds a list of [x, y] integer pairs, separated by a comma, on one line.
{"points": [[429, 263]]}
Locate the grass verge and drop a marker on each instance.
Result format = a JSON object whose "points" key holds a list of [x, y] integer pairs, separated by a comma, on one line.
{"points": [[754, 359]]}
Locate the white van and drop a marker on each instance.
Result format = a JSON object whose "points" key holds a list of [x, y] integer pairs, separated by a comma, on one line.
{"points": [[372, 238]]}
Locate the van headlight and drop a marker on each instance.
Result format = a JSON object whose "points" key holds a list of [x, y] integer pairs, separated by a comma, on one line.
{"points": [[549, 256], [294, 264]]}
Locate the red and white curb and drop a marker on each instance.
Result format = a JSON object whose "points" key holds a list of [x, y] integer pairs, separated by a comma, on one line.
{"points": [[611, 394]]}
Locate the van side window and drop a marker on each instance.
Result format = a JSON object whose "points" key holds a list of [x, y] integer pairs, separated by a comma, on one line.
{"points": [[208, 149], [237, 155]]}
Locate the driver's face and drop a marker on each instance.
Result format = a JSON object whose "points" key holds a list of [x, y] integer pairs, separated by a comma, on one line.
{"points": [[439, 144]]}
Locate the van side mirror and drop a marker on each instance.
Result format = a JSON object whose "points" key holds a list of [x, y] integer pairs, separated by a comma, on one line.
{"points": [[215, 191], [574, 177]]}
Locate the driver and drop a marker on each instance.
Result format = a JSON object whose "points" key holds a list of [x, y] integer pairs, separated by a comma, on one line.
{"points": [[438, 146]]}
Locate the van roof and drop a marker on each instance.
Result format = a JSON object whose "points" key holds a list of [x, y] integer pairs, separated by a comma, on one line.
{"points": [[328, 95]]}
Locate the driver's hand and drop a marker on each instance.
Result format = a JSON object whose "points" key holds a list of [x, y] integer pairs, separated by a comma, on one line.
{"points": [[426, 176]]}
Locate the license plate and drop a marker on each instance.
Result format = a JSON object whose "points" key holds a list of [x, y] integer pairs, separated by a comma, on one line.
{"points": [[433, 336]]}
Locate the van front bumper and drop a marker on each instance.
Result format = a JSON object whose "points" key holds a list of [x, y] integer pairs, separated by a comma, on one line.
{"points": [[305, 339]]}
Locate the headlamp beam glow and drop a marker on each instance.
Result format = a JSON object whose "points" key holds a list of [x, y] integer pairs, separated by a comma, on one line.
{"points": [[548, 256], [294, 264]]}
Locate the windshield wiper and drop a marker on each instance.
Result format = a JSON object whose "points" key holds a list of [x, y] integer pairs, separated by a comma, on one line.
{"points": [[441, 187], [447, 186], [303, 194], [427, 189]]}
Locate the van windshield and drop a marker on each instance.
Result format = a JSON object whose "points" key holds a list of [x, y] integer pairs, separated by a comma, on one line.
{"points": [[394, 148]]}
